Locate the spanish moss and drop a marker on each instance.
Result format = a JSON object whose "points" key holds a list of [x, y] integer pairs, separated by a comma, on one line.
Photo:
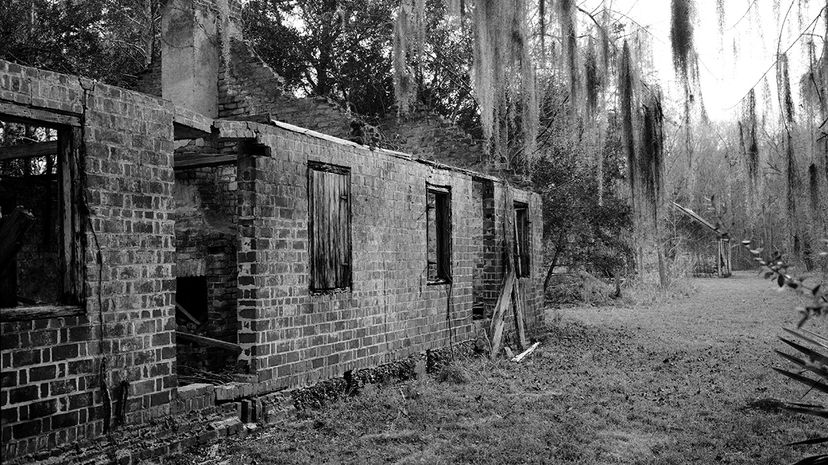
{"points": [[813, 191], [403, 77], [502, 65], [720, 15], [651, 152], [749, 140], [783, 88], [592, 80], [681, 35], [625, 104]]}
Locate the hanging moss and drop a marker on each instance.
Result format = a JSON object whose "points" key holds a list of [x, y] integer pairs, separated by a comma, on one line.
{"points": [[751, 146], [403, 77], [407, 48], [651, 153], [625, 105], [695, 83], [605, 40], [720, 15], [783, 88], [503, 76], [681, 34], [813, 191], [592, 79]]}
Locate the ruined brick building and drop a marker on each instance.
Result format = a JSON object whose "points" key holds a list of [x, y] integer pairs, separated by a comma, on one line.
{"points": [[214, 224]]}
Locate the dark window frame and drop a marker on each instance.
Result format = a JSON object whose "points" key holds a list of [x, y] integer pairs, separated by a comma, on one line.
{"points": [[522, 250], [72, 224], [318, 283], [443, 230]]}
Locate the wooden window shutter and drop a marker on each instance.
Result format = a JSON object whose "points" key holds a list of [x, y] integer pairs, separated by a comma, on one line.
{"points": [[330, 223]]}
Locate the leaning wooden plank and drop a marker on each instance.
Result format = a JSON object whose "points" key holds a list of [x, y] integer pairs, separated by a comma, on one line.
{"points": [[518, 302], [519, 357], [208, 341], [518, 299], [12, 229], [37, 149], [504, 302], [186, 313]]}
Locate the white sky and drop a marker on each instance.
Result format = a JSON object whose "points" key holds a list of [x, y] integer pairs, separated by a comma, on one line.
{"points": [[752, 27]]}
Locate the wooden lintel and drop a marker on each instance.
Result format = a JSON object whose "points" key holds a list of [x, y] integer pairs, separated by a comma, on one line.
{"points": [[27, 115], [184, 161], [208, 341], [40, 312], [38, 149]]}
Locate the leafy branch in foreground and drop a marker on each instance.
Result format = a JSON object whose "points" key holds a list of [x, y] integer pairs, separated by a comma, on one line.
{"points": [[777, 269], [808, 360]]}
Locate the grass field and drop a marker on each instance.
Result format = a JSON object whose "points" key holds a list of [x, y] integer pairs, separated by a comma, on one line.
{"points": [[688, 381]]}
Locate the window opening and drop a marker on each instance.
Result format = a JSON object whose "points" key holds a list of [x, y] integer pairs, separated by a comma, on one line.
{"points": [[522, 240], [438, 233], [40, 225]]}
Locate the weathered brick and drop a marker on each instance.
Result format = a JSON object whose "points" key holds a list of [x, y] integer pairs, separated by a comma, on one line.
{"points": [[65, 351], [42, 373], [26, 429], [23, 394], [40, 409]]}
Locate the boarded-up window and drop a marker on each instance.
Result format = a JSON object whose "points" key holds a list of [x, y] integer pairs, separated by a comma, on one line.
{"points": [[329, 197], [522, 239], [438, 233]]}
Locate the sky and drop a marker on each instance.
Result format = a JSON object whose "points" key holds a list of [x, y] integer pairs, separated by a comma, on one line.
{"points": [[734, 61]]}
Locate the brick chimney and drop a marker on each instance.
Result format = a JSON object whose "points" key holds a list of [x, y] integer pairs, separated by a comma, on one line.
{"points": [[194, 33]]}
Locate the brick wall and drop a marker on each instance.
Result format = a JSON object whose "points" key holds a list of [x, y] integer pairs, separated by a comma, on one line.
{"points": [[293, 336], [429, 136], [51, 385], [247, 86]]}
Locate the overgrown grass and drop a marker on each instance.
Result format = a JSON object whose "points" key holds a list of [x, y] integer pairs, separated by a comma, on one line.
{"points": [[644, 385]]}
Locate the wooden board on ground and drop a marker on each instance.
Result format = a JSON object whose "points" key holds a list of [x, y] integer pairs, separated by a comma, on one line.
{"points": [[525, 353]]}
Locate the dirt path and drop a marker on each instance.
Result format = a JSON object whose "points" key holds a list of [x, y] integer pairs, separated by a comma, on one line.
{"points": [[686, 382]]}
